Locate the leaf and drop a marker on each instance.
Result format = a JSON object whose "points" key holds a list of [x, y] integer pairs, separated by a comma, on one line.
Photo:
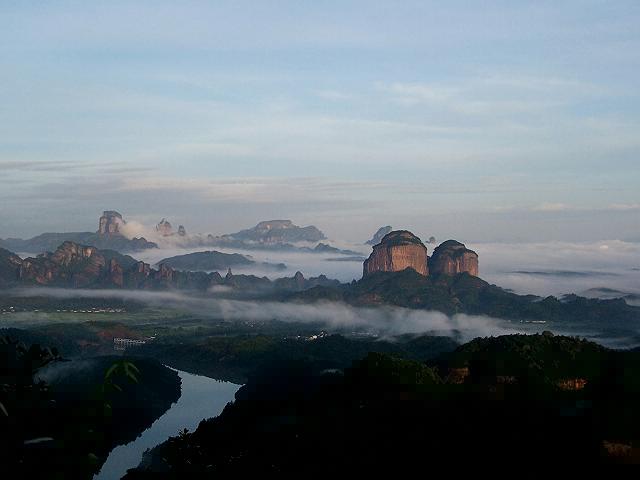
{"points": [[133, 367], [3, 410], [111, 370]]}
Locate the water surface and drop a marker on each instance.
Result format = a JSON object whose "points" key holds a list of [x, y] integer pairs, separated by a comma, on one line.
{"points": [[201, 397]]}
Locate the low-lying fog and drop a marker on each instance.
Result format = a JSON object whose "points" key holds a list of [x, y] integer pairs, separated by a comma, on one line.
{"points": [[557, 268], [552, 268], [599, 269], [384, 321], [310, 264]]}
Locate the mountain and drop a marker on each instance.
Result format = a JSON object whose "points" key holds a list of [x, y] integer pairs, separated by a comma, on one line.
{"points": [[401, 249], [273, 235], [379, 235], [397, 251], [213, 260], [79, 266], [164, 228], [74, 265], [236, 358], [543, 400], [465, 293], [277, 232], [108, 236], [49, 241], [326, 248], [452, 257]]}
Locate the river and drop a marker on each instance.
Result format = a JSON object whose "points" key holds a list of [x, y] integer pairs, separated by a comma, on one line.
{"points": [[201, 397]]}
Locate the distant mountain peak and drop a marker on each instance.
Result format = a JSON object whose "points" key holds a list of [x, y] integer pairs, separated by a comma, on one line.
{"points": [[377, 237], [279, 232]]}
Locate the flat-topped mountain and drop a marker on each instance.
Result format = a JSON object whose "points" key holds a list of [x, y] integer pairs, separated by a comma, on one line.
{"points": [[278, 231], [401, 249], [397, 251], [452, 257]]}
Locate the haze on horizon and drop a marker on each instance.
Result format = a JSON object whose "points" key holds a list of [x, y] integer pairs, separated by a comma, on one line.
{"points": [[501, 121]]}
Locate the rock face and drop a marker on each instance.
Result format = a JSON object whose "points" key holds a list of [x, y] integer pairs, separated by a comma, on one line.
{"points": [[164, 228], [72, 264], [452, 257], [397, 251], [110, 222], [379, 235], [80, 266]]}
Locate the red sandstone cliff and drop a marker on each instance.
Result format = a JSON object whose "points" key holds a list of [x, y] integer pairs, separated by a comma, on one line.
{"points": [[72, 263], [110, 223], [397, 251], [451, 258]]}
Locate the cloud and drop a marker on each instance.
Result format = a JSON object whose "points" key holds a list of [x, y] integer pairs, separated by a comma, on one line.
{"points": [[558, 268], [551, 207], [416, 93], [494, 95], [625, 207], [334, 95], [42, 166]]}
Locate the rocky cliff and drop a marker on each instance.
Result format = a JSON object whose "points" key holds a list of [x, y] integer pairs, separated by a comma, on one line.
{"points": [[75, 265], [452, 257], [397, 251], [110, 222], [379, 235], [78, 266], [164, 228]]}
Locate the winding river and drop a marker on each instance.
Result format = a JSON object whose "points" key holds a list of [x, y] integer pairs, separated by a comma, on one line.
{"points": [[201, 397]]}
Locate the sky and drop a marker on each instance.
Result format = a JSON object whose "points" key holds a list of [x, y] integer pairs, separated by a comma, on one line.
{"points": [[483, 121]]}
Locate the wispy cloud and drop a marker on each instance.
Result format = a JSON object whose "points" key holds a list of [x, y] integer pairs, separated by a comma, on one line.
{"points": [[625, 207], [552, 207], [334, 95], [34, 166], [495, 95]]}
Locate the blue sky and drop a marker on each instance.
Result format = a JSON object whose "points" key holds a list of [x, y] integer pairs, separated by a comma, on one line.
{"points": [[496, 120]]}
